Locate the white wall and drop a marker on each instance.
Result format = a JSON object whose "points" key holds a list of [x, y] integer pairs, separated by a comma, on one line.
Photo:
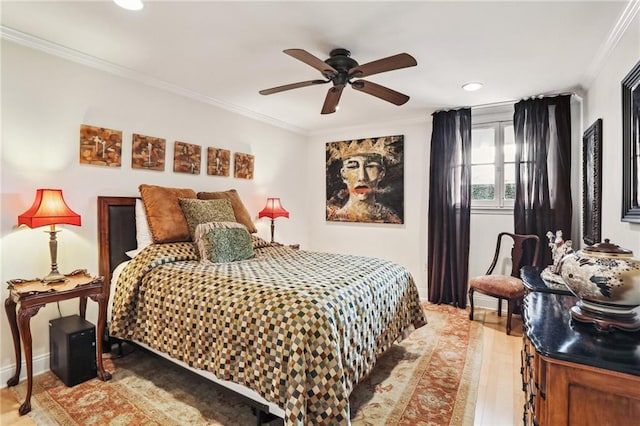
{"points": [[604, 100], [45, 99], [404, 244]]}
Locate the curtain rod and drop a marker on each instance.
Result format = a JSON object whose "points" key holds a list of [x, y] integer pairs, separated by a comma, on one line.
{"points": [[511, 102], [540, 96]]}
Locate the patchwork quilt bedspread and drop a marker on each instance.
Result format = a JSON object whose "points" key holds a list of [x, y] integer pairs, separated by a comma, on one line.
{"points": [[300, 328]]}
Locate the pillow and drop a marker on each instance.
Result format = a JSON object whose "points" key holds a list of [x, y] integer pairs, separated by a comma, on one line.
{"points": [[240, 211], [220, 242], [143, 234], [203, 211], [164, 215]]}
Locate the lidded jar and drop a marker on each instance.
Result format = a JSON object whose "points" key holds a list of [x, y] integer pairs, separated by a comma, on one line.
{"points": [[605, 277]]}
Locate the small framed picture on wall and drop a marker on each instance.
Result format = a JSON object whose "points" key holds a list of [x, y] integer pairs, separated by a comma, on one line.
{"points": [[147, 152], [243, 166], [186, 158], [100, 146], [218, 161]]}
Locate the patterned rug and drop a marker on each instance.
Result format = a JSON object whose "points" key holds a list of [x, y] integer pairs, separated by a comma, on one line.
{"points": [[430, 378]]}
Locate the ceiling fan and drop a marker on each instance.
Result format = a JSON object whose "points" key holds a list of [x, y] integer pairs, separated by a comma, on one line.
{"points": [[340, 69]]}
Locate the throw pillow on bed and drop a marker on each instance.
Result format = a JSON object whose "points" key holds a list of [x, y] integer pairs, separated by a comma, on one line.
{"points": [[221, 242], [203, 211], [239, 209], [166, 220]]}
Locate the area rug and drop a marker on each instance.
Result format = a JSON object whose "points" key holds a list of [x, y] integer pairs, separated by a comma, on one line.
{"points": [[430, 378]]}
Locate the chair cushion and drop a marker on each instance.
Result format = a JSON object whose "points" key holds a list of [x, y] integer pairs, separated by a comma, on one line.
{"points": [[499, 285]]}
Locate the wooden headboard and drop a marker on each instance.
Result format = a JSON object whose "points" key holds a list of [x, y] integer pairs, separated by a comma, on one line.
{"points": [[116, 232]]}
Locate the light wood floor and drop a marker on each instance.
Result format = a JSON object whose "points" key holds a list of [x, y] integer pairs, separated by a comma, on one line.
{"points": [[500, 397]]}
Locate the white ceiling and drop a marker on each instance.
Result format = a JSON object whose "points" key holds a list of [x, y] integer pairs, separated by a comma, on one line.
{"points": [[225, 52]]}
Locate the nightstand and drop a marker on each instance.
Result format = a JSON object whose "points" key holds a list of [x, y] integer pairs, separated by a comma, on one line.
{"points": [[28, 296]]}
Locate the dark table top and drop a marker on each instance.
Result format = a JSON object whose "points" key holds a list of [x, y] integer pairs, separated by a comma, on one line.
{"points": [[534, 282], [555, 334]]}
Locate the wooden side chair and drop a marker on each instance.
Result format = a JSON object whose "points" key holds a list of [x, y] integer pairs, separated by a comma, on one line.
{"points": [[508, 287]]}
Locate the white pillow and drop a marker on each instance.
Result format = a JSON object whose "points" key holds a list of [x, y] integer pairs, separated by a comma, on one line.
{"points": [[143, 233]]}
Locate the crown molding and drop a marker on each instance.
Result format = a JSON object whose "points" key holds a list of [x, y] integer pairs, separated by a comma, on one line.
{"points": [[69, 54], [422, 118], [624, 20]]}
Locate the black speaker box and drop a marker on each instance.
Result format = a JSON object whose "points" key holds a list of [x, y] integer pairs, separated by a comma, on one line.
{"points": [[72, 344]]}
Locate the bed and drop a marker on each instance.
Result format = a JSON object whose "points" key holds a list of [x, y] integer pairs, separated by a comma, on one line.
{"points": [[291, 330]]}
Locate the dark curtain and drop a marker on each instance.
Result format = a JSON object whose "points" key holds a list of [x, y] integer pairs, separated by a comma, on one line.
{"points": [[449, 207], [543, 169]]}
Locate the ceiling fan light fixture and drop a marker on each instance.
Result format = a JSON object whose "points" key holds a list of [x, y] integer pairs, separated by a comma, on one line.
{"points": [[339, 69], [472, 87], [130, 4]]}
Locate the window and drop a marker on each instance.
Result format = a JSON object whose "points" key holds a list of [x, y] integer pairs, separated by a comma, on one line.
{"points": [[493, 173]]}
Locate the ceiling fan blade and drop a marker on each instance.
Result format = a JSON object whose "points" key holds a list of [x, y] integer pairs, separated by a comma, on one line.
{"points": [[332, 99], [381, 92], [291, 86], [306, 57], [401, 60]]}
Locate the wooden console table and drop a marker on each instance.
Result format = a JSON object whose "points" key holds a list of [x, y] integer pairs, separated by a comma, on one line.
{"points": [[26, 297], [573, 374]]}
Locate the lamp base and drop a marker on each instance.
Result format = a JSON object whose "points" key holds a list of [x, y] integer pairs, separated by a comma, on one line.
{"points": [[273, 228], [53, 278]]}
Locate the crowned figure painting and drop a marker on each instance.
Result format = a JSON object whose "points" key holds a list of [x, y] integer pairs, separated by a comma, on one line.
{"points": [[365, 180]]}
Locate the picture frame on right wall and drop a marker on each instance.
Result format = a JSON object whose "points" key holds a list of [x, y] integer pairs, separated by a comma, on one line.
{"points": [[592, 183], [631, 146]]}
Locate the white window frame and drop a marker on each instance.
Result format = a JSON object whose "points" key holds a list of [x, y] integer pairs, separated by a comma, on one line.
{"points": [[497, 118]]}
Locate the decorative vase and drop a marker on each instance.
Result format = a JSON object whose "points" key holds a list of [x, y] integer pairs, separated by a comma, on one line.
{"points": [[606, 280]]}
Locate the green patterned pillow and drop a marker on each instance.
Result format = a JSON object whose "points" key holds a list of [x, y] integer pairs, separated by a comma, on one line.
{"points": [[203, 211], [221, 242]]}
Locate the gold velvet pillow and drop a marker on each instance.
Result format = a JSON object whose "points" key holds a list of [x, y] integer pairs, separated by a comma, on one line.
{"points": [[239, 210], [164, 215]]}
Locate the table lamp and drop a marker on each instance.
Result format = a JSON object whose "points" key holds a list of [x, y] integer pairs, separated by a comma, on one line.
{"points": [[50, 209], [272, 210]]}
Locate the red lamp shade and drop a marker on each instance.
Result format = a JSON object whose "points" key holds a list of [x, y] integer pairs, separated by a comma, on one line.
{"points": [[49, 208], [273, 209]]}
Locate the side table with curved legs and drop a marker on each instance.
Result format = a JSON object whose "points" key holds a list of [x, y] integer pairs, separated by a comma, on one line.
{"points": [[26, 297]]}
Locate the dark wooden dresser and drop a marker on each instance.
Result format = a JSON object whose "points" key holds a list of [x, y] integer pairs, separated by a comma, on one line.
{"points": [[571, 373]]}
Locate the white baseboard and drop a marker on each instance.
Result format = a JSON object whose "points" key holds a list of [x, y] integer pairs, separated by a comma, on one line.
{"points": [[487, 302], [484, 302], [40, 365]]}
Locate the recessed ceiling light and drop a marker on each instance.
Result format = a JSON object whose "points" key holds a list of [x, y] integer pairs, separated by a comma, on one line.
{"points": [[129, 4], [472, 87]]}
